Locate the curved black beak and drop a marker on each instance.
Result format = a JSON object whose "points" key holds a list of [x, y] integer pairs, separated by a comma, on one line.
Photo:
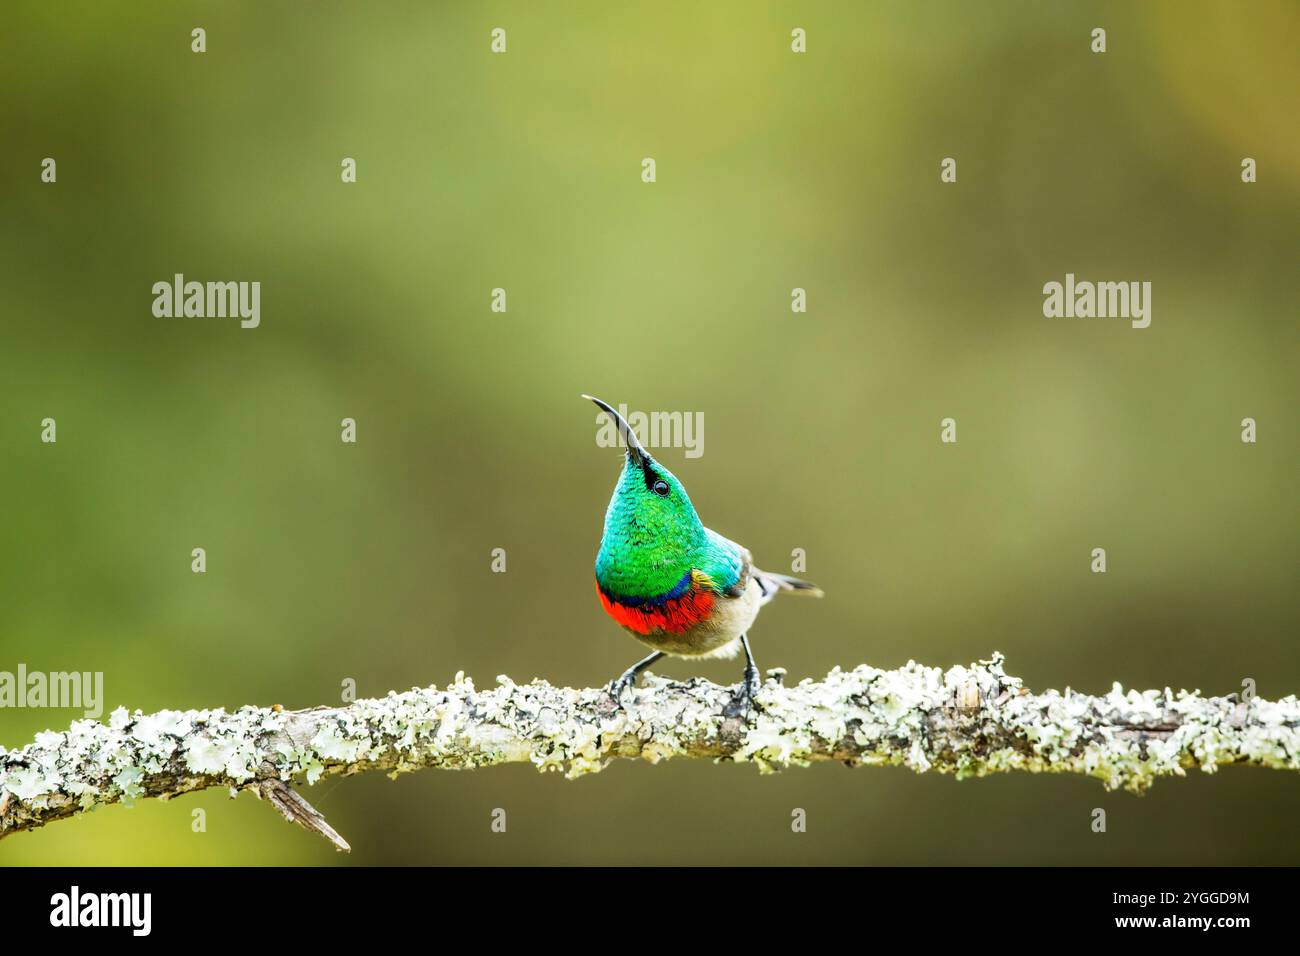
{"points": [[635, 450]]}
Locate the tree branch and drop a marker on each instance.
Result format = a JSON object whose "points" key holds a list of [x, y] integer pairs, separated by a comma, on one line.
{"points": [[968, 721]]}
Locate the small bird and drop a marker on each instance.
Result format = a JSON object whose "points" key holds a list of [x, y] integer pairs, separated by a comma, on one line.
{"points": [[678, 587]]}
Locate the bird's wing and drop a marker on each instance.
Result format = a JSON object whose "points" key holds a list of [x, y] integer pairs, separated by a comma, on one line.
{"points": [[740, 560], [769, 582]]}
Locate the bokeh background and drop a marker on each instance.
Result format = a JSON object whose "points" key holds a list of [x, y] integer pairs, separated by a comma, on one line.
{"points": [[328, 561]]}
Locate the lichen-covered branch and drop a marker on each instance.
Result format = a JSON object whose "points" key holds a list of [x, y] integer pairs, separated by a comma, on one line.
{"points": [[968, 721]]}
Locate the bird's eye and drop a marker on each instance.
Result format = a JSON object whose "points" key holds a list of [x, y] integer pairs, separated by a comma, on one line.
{"points": [[661, 488]]}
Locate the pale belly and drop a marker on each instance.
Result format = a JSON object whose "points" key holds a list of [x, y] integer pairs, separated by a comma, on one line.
{"points": [[719, 636]]}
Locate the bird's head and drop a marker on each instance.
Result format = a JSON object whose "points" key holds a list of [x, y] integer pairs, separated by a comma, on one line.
{"points": [[650, 520]]}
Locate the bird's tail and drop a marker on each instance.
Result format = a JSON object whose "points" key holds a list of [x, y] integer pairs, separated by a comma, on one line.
{"points": [[771, 583]]}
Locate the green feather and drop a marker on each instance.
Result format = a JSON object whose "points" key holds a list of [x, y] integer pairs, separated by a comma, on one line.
{"points": [[651, 541]]}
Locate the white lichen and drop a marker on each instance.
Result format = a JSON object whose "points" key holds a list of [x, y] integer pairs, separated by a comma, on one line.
{"points": [[969, 721]]}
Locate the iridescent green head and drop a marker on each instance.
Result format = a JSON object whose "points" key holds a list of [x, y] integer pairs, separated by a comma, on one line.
{"points": [[652, 533]]}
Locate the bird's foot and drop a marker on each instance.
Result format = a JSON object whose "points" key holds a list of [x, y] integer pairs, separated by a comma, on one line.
{"points": [[745, 697], [618, 685]]}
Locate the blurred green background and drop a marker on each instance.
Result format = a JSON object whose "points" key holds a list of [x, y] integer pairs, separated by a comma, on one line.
{"points": [[775, 170]]}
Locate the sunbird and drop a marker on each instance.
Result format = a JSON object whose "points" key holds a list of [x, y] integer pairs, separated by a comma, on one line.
{"points": [[677, 586]]}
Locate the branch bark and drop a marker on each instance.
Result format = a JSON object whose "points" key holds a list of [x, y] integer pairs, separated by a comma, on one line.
{"points": [[968, 721]]}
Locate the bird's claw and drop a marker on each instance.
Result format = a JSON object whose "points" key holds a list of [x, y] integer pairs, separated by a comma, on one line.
{"points": [[618, 685], [746, 696]]}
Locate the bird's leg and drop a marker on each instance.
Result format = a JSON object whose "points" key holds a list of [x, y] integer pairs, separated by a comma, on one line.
{"points": [[742, 702], [629, 676]]}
